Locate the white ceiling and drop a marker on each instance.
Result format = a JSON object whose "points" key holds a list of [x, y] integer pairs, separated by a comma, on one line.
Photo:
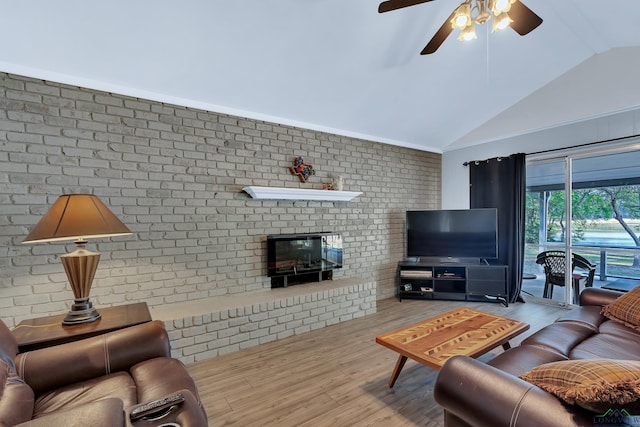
{"points": [[339, 65]]}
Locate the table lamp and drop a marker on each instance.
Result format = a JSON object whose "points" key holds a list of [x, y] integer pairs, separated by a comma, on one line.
{"points": [[78, 217]]}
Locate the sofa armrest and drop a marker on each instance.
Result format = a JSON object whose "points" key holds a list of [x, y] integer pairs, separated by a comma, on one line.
{"points": [[53, 367], [101, 413], [598, 296], [484, 396]]}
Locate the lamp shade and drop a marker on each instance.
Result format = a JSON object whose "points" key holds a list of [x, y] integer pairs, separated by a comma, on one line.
{"points": [[76, 216]]}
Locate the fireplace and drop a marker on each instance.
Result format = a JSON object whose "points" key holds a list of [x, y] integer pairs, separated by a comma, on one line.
{"points": [[302, 258]]}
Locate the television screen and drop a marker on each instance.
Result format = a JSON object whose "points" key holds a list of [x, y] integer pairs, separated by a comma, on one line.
{"points": [[470, 233]]}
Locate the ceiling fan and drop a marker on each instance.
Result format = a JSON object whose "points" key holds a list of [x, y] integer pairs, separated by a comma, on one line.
{"points": [[505, 13]]}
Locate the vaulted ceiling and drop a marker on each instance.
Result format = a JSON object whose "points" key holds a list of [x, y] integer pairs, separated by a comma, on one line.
{"points": [[338, 65]]}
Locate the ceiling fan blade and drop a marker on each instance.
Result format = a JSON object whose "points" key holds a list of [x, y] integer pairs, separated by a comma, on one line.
{"points": [[439, 37], [524, 19], [390, 5]]}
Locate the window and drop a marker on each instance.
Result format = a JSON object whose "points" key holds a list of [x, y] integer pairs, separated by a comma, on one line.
{"points": [[602, 216]]}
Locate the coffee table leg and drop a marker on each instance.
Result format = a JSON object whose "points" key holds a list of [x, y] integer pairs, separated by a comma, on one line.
{"points": [[396, 371]]}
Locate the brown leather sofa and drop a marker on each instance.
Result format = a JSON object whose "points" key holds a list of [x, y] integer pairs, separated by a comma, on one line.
{"points": [[97, 381], [474, 393]]}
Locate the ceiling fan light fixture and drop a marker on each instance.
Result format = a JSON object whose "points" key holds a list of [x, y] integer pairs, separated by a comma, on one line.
{"points": [[468, 33], [483, 17], [471, 12], [501, 21], [500, 6], [483, 14], [461, 16]]}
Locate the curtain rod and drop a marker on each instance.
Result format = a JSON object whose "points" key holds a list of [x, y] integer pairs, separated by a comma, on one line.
{"points": [[478, 161], [586, 144], [562, 148]]}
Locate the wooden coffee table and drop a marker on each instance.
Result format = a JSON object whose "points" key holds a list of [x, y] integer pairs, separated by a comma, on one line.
{"points": [[462, 331]]}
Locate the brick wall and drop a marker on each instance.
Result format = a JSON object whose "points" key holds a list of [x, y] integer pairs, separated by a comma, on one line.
{"points": [[174, 175], [221, 325]]}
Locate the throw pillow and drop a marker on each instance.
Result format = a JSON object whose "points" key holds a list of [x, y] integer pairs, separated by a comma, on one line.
{"points": [[594, 384], [626, 309]]}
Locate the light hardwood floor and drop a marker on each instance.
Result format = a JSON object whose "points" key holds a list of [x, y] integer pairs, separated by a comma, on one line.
{"points": [[337, 376]]}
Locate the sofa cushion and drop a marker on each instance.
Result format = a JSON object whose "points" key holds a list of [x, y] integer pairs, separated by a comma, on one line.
{"points": [[626, 309], [618, 329], [560, 337], [594, 384], [607, 346], [119, 385], [589, 316], [523, 358], [102, 413], [93, 357]]}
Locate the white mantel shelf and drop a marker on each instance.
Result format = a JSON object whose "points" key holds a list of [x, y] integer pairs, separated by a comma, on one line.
{"points": [[279, 193]]}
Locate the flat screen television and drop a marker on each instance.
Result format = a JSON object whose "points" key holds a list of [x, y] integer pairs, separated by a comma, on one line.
{"points": [[453, 234]]}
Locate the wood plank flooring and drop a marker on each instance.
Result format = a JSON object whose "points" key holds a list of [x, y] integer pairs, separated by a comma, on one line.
{"points": [[337, 376]]}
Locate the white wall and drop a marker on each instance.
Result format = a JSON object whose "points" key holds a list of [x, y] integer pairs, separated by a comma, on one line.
{"points": [[455, 176]]}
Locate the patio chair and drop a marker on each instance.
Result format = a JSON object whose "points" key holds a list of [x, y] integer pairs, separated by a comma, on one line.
{"points": [[582, 263], [554, 270]]}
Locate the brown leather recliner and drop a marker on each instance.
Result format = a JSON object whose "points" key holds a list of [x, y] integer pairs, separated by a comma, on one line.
{"points": [[97, 381]]}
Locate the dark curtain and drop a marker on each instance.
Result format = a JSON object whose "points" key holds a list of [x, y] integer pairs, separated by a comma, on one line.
{"points": [[501, 183]]}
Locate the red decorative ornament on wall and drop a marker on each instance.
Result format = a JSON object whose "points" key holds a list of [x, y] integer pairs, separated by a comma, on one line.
{"points": [[301, 169]]}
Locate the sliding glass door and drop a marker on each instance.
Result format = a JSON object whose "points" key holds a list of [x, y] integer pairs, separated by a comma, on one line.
{"points": [[585, 205], [546, 228], [606, 213]]}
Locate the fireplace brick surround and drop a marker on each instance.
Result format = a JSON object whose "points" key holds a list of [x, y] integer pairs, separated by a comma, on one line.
{"points": [[228, 324]]}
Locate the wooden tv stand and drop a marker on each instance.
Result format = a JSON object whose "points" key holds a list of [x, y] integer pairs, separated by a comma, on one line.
{"points": [[452, 281]]}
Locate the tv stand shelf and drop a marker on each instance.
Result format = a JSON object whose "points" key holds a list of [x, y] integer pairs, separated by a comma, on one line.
{"points": [[463, 282]]}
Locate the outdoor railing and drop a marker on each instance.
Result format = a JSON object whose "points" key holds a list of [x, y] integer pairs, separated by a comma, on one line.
{"points": [[610, 261]]}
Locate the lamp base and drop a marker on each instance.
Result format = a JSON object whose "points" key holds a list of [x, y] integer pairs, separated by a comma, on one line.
{"points": [[82, 311]]}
